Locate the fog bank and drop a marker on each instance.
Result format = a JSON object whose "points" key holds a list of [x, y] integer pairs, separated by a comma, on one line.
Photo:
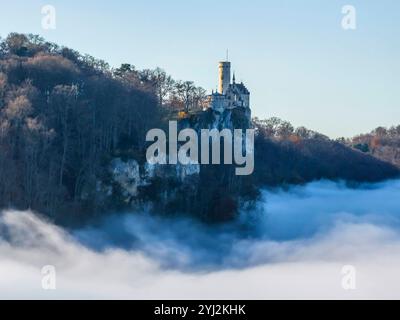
{"points": [[293, 246]]}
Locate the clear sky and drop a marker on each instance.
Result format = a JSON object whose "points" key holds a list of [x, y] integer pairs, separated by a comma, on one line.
{"points": [[294, 56]]}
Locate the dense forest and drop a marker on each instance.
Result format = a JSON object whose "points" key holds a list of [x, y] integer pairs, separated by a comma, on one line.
{"points": [[65, 117], [64, 114], [299, 155]]}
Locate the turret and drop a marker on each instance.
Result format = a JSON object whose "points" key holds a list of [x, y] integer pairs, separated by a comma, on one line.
{"points": [[224, 76]]}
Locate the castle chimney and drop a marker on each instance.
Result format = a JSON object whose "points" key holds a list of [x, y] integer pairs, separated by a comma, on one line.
{"points": [[224, 76]]}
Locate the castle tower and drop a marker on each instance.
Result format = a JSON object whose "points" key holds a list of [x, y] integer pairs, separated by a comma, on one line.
{"points": [[224, 76]]}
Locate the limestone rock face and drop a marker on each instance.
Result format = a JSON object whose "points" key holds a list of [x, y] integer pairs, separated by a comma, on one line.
{"points": [[135, 182], [127, 175]]}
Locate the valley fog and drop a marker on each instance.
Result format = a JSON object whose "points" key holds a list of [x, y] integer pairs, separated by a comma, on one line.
{"points": [[294, 245]]}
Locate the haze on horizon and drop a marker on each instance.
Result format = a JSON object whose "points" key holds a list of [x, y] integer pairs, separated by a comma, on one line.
{"points": [[297, 61]]}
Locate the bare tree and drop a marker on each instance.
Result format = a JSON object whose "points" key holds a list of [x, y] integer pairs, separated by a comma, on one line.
{"points": [[199, 98], [185, 91], [64, 98], [164, 85]]}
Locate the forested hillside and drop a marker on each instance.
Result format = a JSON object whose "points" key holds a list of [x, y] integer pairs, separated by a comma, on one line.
{"points": [[62, 115], [382, 143], [72, 141], [298, 155]]}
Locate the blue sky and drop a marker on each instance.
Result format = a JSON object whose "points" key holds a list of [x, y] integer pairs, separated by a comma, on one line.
{"points": [[295, 58]]}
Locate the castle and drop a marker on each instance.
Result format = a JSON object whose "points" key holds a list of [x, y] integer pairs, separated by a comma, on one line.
{"points": [[229, 95]]}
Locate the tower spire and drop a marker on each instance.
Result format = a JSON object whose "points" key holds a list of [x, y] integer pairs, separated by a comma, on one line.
{"points": [[234, 77]]}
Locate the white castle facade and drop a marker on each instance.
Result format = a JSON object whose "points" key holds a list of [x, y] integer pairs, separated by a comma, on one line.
{"points": [[230, 95]]}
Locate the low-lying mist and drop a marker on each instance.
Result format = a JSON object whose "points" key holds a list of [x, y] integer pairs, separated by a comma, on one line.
{"points": [[294, 245]]}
